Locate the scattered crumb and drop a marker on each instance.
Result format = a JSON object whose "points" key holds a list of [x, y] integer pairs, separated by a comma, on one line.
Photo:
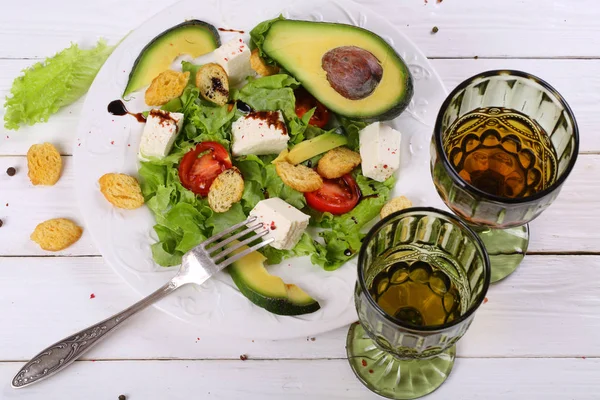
{"points": [[1, 223], [253, 341], [6, 204], [476, 57], [364, 363], [370, 371], [312, 339], [243, 357], [122, 397], [439, 1], [435, 29], [92, 296], [583, 358], [485, 300], [11, 171]]}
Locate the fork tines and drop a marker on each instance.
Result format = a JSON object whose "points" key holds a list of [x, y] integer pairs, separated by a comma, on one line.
{"points": [[253, 232]]}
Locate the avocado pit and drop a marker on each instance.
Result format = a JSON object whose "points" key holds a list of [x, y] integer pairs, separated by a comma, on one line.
{"points": [[351, 71]]}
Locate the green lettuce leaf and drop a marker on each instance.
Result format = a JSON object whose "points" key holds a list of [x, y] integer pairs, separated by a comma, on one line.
{"points": [[352, 127], [257, 37], [58, 81]]}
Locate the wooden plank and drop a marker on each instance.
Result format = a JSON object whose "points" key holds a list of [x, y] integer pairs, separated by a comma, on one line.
{"points": [[471, 379], [531, 314], [561, 228], [494, 28], [582, 94], [23, 206]]}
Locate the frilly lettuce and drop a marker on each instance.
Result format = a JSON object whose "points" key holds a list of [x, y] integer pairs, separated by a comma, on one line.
{"points": [[56, 82]]}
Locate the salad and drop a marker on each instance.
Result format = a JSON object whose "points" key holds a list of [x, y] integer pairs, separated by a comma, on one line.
{"points": [[287, 132]]}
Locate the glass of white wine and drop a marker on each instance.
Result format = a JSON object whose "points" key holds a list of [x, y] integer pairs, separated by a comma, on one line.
{"points": [[503, 145], [422, 274]]}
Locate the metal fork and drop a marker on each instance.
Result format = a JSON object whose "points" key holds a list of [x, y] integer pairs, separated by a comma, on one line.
{"points": [[198, 265]]}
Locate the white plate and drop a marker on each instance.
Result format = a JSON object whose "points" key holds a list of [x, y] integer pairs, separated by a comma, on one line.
{"points": [[107, 143]]}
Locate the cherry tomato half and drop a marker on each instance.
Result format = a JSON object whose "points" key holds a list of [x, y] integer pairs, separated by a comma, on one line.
{"points": [[305, 102], [337, 196], [198, 173]]}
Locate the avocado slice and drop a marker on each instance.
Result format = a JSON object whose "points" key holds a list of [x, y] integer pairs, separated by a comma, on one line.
{"points": [[269, 291], [352, 71], [191, 37], [311, 147]]}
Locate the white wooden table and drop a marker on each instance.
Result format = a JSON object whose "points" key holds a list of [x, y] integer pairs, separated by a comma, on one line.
{"points": [[536, 338]]}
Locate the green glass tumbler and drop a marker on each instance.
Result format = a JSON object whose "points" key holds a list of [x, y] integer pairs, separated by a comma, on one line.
{"points": [[435, 271], [541, 155]]}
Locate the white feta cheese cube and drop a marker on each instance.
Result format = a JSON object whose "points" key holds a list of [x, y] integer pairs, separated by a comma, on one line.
{"points": [[380, 151], [234, 57], [285, 223], [159, 134], [259, 133]]}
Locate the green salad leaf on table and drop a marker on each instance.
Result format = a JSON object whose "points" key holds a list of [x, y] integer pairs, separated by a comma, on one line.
{"points": [[49, 85]]}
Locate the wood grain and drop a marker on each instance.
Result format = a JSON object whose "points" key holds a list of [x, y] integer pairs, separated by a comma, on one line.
{"points": [[531, 314], [471, 379]]}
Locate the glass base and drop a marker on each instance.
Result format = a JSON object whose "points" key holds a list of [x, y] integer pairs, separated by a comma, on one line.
{"points": [[506, 248], [392, 377]]}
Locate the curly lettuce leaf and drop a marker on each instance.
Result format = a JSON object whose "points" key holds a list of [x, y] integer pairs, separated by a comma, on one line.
{"points": [[49, 85], [257, 37]]}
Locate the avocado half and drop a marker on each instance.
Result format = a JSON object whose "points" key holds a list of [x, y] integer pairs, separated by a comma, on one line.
{"points": [[300, 48], [269, 291], [191, 37]]}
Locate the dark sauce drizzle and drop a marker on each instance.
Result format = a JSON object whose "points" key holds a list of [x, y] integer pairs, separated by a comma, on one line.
{"points": [[117, 107], [230, 30]]}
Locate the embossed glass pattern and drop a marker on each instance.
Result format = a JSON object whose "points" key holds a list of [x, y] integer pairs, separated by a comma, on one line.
{"points": [[501, 90], [393, 356]]}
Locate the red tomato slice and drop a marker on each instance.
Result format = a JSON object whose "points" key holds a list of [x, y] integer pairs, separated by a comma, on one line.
{"points": [[305, 102], [198, 173], [337, 196]]}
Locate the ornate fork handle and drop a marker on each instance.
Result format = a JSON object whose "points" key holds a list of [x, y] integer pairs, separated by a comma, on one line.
{"points": [[63, 353]]}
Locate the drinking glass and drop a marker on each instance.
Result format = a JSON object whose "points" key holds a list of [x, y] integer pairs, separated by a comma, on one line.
{"points": [[501, 221], [405, 356]]}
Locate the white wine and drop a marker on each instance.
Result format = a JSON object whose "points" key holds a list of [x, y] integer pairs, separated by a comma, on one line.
{"points": [[417, 292], [502, 152]]}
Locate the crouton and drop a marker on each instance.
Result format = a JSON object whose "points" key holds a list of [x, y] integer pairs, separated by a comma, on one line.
{"points": [[122, 191], [44, 164], [213, 83], [167, 86], [56, 234], [299, 177], [226, 190], [260, 66], [338, 162], [395, 204]]}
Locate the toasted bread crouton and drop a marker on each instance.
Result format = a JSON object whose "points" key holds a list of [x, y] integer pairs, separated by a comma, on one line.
{"points": [[299, 177], [213, 83], [338, 162], [56, 234], [122, 191], [226, 190], [165, 87], [260, 66], [44, 164], [395, 204]]}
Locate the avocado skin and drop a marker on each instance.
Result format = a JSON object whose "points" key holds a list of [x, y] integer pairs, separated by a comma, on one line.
{"points": [[192, 22], [280, 306]]}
